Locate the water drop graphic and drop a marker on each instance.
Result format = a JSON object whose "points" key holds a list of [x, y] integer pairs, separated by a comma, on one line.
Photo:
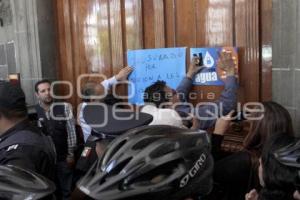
{"points": [[208, 60]]}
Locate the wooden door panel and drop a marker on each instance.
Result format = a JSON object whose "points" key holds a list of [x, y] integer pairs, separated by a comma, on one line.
{"points": [[94, 36], [247, 40], [133, 24], [116, 35]]}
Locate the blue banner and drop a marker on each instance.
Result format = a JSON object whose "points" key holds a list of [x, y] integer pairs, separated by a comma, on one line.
{"points": [[210, 75], [150, 65]]}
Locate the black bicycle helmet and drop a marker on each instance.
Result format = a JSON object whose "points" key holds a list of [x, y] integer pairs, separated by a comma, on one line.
{"points": [[19, 184], [289, 155], [152, 162]]}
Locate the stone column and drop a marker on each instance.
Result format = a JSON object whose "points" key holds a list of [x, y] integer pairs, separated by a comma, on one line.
{"points": [[33, 35]]}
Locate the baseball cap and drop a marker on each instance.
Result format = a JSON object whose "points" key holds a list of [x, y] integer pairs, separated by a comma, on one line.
{"points": [[113, 121], [163, 116]]}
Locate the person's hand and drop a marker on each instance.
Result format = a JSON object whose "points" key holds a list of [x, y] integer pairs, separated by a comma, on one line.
{"points": [[227, 62], [195, 121], [193, 68], [123, 73], [252, 195], [296, 195], [223, 124], [70, 162]]}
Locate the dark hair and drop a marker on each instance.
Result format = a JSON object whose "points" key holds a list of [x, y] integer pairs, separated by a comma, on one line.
{"points": [[278, 179], [88, 90], [10, 114], [155, 93], [276, 119], [111, 100], [36, 86], [12, 101]]}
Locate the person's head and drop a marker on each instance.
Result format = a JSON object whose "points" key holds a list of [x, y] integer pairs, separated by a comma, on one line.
{"points": [[92, 91], [276, 119], [12, 104], [277, 179], [17, 183], [112, 100], [152, 162], [159, 93], [42, 90], [297, 195], [108, 122]]}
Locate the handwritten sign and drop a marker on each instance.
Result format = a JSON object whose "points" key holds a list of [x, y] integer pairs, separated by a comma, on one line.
{"points": [[150, 65], [211, 75]]}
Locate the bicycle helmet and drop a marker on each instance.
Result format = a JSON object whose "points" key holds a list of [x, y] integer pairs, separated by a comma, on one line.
{"points": [[289, 155], [20, 184], [152, 162]]}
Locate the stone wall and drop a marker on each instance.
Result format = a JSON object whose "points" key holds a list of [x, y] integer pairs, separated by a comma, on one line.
{"points": [[286, 57], [27, 45]]}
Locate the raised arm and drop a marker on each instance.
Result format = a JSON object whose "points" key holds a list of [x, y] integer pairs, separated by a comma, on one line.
{"points": [[121, 76], [224, 104]]}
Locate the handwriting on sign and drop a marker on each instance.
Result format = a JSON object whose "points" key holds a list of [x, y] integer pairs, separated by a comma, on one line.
{"points": [[161, 57], [153, 78], [151, 58], [150, 65], [172, 76], [144, 79]]}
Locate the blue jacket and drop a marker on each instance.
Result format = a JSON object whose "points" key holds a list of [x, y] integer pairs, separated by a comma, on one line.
{"points": [[226, 102]]}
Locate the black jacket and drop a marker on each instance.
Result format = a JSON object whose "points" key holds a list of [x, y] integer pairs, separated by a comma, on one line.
{"points": [[57, 129], [234, 175], [25, 146]]}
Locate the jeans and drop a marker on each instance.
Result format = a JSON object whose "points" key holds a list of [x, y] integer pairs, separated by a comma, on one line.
{"points": [[64, 177]]}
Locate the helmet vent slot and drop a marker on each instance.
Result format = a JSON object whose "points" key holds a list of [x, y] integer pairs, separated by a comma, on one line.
{"points": [[157, 175], [116, 149], [145, 142], [162, 150], [119, 167]]}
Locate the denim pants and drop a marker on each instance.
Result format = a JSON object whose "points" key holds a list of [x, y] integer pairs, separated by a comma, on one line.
{"points": [[64, 177]]}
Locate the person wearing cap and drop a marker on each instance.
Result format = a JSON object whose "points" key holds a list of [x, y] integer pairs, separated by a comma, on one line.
{"points": [[162, 96], [21, 144], [102, 135], [88, 154], [92, 90], [163, 116], [56, 120]]}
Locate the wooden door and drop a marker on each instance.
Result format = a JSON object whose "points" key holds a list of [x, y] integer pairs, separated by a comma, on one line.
{"points": [[94, 35]]}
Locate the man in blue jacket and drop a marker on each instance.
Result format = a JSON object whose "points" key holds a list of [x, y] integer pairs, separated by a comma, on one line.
{"points": [[205, 115]]}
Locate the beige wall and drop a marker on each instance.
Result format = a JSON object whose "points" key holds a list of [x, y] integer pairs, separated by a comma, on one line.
{"points": [[286, 56]]}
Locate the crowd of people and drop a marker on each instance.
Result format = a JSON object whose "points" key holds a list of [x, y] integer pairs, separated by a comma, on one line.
{"points": [[162, 150]]}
